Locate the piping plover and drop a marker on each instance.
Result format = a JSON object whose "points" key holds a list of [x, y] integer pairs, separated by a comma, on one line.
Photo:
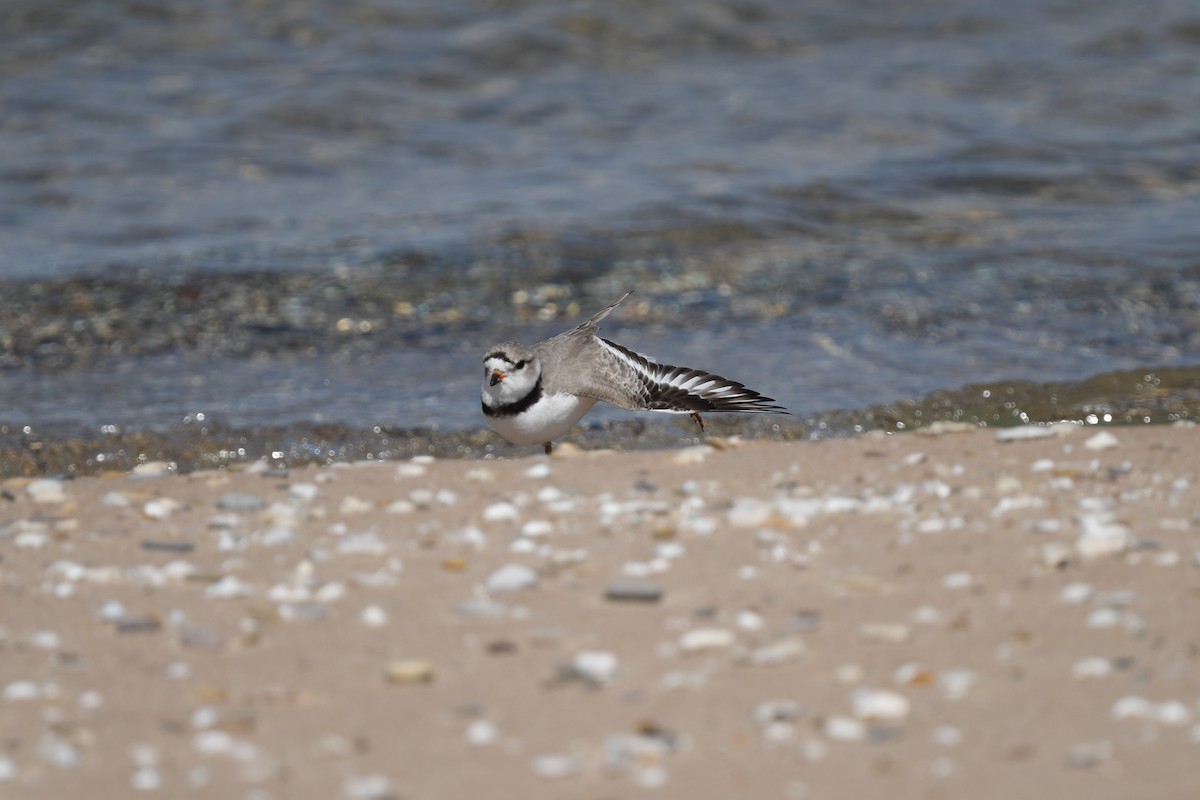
{"points": [[533, 395]]}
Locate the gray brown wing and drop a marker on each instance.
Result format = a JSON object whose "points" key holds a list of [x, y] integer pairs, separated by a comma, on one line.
{"points": [[632, 381]]}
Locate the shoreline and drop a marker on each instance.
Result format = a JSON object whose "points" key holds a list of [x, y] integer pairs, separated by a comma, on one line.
{"points": [[972, 612]]}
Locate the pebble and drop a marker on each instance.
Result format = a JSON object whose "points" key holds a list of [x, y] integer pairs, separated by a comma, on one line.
{"points": [[304, 492], [541, 470], [409, 670], [1092, 668], [958, 580], [167, 546], [947, 735], [597, 667], [22, 690], [352, 505], [370, 787], [512, 578], [500, 512], [1102, 536], [886, 632], [161, 508], [1025, 433], [228, 588], [241, 502], [374, 617], [1104, 440], [481, 733], [879, 704], [556, 765], [46, 490], [775, 653], [956, 683], [153, 469], [634, 590], [367, 543], [844, 729], [701, 640]]}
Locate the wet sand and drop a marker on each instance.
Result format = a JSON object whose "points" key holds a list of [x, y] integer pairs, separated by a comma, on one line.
{"points": [[924, 615]]}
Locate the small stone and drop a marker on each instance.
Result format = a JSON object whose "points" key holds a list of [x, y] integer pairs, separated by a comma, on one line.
{"points": [[775, 653], [161, 507], [228, 588], [633, 590], [540, 470], [409, 670], [1103, 618], [146, 779], [537, 528], [153, 469], [879, 704], [947, 735], [844, 729], [777, 711], [598, 667], [240, 502], [958, 580], [701, 640], [22, 690], [1025, 433], [1172, 712], [370, 787], [556, 765], [482, 732], [1076, 593], [366, 543], [146, 624], [304, 492], [1056, 555], [500, 512], [887, 632], [750, 512], [46, 490], [1104, 440], [512, 578], [374, 617], [956, 683], [696, 454], [1102, 536], [352, 505], [1092, 668], [167, 546]]}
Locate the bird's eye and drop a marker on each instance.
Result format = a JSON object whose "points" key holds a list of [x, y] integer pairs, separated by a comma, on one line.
{"points": [[520, 364]]}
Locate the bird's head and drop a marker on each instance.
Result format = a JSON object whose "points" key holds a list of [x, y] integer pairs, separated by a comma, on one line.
{"points": [[510, 371]]}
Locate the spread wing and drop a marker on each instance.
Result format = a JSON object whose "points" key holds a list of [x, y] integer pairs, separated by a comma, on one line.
{"points": [[632, 381]]}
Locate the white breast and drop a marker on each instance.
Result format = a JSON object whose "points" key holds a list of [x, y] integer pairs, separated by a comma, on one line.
{"points": [[546, 420]]}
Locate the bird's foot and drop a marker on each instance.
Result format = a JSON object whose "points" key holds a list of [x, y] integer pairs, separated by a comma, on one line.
{"points": [[548, 446], [696, 417]]}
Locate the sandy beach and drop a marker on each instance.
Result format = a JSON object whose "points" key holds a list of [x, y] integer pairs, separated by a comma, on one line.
{"points": [[960, 613]]}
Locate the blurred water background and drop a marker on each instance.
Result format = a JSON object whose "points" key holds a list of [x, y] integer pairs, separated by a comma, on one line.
{"points": [[232, 229]]}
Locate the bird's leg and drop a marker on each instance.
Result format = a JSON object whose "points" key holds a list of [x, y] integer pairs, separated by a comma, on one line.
{"points": [[548, 446], [696, 416]]}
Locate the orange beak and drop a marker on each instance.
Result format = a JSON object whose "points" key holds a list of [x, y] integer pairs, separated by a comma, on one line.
{"points": [[497, 376]]}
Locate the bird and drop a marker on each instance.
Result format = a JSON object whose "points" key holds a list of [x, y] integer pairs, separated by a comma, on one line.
{"points": [[534, 395]]}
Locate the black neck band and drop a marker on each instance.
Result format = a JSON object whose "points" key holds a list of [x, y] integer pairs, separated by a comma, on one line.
{"points": [[516, 406]]}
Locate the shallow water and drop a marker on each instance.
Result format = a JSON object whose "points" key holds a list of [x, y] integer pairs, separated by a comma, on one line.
{"points": [[319, 213]]}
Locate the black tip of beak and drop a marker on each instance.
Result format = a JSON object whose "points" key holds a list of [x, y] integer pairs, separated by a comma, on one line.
{"points": [[492, 381]]}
